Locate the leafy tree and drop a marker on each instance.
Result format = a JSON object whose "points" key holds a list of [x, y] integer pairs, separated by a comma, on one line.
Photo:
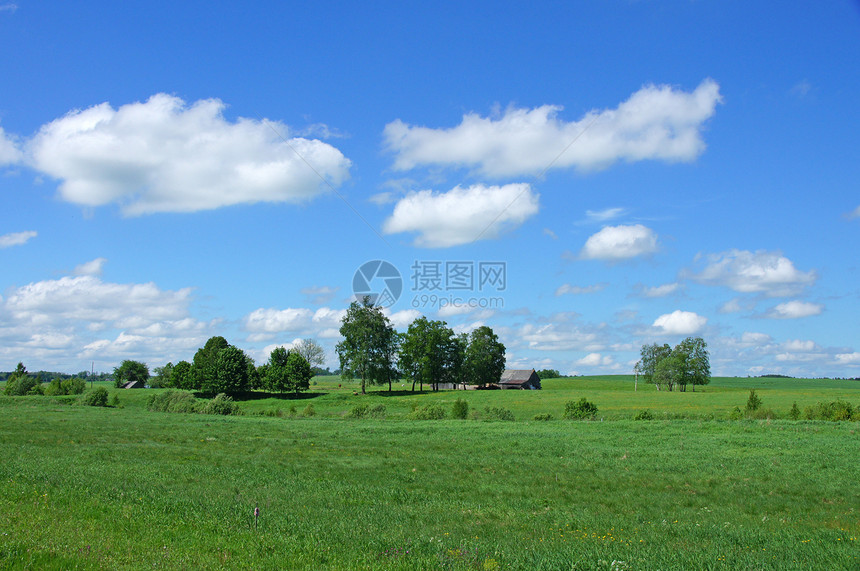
{"points": [[230, 372], [753, 402], [485, 357], [367, 351], [203, 370], [277, 377], [548, 374], [161, 378], [20, 382], [667, 371], [647, 365], [130, 371], [298, 372], [694, 362], [313, 353], [430, 353], [180, 376]]}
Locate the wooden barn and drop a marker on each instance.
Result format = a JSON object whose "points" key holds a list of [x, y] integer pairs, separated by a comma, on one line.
{"points": [[134, 385], [520, 379]]}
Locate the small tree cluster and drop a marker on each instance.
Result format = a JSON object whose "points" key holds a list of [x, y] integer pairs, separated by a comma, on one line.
{"points": [[688, 363], [579, 410]]}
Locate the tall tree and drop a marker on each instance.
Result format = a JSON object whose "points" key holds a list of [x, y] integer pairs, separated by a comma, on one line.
{"points": [[180, 377], [430, 353], [162, 375], [485, 357], [694, 362], [130, 371], [651, 356], [313, 353], [298, 372], [203, 366], [277, 377], [365, 352], [230, 372]]}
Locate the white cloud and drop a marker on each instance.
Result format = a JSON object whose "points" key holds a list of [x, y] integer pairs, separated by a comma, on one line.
{"points": [[794, 310], [462, 215], [10, 154], [754, 272], [402, 319], [798, 345], [16, 238], [661, 290], [8, 7], [91, 268], [596, 360], [166, 156], [82, 318], [604, 215], [657, 122], [854, 213], [560, 335], [680, 323], [265, 323], [578, 290], [620, 243], [751, 338], [848, 358], [319, 295]]}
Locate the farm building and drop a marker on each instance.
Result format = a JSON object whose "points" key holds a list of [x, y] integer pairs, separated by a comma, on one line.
{"points": [[134, 385], [519, 379]]}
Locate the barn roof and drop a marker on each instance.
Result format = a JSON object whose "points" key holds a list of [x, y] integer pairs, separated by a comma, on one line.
{"points": [[516, 376]]}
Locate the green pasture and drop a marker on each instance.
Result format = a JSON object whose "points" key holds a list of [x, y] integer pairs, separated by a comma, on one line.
{"points": [[126, 488]]}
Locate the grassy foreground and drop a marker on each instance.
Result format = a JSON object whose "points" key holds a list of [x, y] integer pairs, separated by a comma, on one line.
{"points": [[84, 487]]}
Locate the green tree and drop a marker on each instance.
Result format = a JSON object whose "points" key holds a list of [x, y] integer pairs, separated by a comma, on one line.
{"points": [[366, 350], [161, 377], [668, 371], [180, 376], [485, 357], [694, 362], [277, 377], [430, 354], [298, 372], [647, 365], [230, 372], [20, 382], [130, 371], [203, 365]]}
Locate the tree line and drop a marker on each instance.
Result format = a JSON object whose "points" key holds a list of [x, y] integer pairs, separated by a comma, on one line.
{"points": [[688, 363], [428, 353]]}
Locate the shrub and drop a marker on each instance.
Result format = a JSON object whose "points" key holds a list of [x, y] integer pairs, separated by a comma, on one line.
{"points": [[753, 402], [96, 397], [543, 416], [794, 413], [433, 411], [24, 385], [460, 409], [377, 411], [172, 401], [762, 414], [834, 410], [221, 404], [643, 415], [75, 386], [114, 401], [358, 411], [293, 410], [309, 410], [497, 413], [276, 412], [580, 410], [736, 414]]}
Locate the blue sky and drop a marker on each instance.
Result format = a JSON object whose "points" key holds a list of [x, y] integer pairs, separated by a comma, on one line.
{"points": [[635, 171]]}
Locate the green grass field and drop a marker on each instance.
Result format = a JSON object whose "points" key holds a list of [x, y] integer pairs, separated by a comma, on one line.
{"points": [[126, 488]]}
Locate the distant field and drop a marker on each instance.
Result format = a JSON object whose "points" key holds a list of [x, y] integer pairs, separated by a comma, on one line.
{"points": [[126, 488]]}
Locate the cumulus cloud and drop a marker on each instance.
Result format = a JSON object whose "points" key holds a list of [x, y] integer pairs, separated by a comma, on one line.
{"points": [[91, 268], [614, 243], [264, 323], [596, 360], [848, 358], [16, 238], [794, 310], [680, 323], [402, 319], [9, 151], [656, 122], [561, 335], [164, 155], [85, 318], [769, 273], [565, 289], [462, 215]]}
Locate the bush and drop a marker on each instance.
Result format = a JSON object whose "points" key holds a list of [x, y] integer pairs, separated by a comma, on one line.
{"points": [[543, 416], [377, 411], [24, 385], [580, 410], [433, 411], [794, 413], [643, 415], [497, 413], [114, 401], [753, 402], [736, 414], [309, 410], [460, 409], [172, 401], [221, 404], [275, 412], [834, 411], [762, 414], [358, 411], [96, 397]]}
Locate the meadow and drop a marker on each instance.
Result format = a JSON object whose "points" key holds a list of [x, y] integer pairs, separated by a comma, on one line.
{"points": [[127, 488]]}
